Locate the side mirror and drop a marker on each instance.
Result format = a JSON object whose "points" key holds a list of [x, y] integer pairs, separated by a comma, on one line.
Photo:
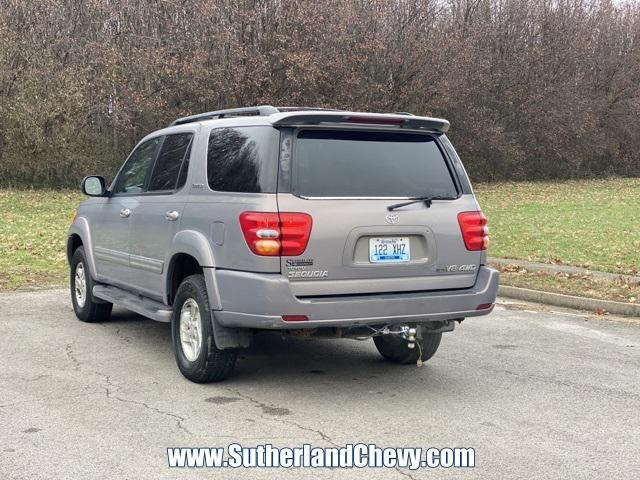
{"points": [[94, 186]]}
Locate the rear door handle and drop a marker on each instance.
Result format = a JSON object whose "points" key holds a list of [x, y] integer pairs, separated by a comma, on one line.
{"points": [[125, 212], [171, 215]]}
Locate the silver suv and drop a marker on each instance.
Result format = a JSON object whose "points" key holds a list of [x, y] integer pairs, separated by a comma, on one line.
{"points": [[313, 222]]}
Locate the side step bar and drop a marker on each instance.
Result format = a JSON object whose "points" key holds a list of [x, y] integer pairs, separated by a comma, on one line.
{"points": [[136, 303]]}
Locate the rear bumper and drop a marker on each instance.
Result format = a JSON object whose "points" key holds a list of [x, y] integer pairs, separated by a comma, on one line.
{"points": [[252, 300]]}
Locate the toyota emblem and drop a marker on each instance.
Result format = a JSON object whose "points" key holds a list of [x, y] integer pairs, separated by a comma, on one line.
{"points": [[392, 218]]}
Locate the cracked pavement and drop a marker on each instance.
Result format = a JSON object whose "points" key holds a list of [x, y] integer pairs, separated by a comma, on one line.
{"points": [[537, 393]]}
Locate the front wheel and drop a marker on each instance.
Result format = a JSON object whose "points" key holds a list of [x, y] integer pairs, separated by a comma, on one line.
{"points": [[396, 349], [197, 356], [85, 305]]}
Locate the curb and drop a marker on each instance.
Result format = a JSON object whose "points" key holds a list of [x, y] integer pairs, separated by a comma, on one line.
{"points": [[546, 267], [570, 301]]}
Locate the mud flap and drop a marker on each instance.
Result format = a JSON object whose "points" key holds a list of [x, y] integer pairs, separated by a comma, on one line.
{"points": [[224, 337], [230, 337]]}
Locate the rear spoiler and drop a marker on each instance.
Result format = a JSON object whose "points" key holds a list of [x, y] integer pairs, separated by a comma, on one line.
{"points": [[409, 122]]}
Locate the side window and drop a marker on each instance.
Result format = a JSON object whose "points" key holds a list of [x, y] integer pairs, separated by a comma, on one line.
{"points": [[135, 170], [243, 159], [182, 178], [170, 161]]}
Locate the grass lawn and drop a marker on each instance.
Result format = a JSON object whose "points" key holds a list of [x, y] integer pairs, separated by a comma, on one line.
{"points": [[580, 285], [33, 233], [592, 224]]}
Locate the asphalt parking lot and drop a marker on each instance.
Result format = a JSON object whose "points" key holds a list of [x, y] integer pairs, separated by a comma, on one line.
{"points": [[538, 394]]}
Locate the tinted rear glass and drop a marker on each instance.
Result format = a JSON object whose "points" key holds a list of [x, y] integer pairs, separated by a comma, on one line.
{"points": [[243, 159], [343, 163]]}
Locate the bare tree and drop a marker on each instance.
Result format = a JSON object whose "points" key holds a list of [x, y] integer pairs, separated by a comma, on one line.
{"points": [[535, 89]]}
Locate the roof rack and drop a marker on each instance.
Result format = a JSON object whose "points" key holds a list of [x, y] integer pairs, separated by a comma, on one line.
{"points": [[261, 110]]}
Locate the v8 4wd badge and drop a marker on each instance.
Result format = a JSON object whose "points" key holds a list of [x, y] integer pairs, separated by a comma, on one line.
{"points": [[457, 268]]}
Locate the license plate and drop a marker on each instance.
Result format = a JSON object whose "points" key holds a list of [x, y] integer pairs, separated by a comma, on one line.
{"points": [[389, 249]]}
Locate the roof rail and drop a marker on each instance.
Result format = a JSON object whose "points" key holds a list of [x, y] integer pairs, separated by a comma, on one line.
{"points": [[260, 110]]}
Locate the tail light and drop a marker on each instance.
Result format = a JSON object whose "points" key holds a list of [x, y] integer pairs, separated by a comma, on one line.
{"points": [[475, 232], [295, 229], [273, 234]]}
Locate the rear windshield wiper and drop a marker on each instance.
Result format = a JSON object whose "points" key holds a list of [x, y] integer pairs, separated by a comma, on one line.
{"points": [[427, 201]]}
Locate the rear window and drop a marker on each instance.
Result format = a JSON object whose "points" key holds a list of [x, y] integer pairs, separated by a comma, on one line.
{"points": [[347, 163], [243, 159]]}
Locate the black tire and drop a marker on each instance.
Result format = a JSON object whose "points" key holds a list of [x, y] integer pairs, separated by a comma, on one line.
{"points": [[395, 348], [210, 363], [92, 310]]}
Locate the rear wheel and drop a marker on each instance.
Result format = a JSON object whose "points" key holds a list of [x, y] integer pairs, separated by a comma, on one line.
{"points": [[396, 349], [197, 356], [85, 305]]}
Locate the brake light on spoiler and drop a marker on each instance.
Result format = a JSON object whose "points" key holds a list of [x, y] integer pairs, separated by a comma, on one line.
{"points": [[376, 120], [274, 234]]}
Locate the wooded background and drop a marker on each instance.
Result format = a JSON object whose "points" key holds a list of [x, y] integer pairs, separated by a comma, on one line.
{"points": [[534, 89]]}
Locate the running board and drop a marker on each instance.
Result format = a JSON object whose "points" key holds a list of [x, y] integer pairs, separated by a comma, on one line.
{"points": [[136, 303]]}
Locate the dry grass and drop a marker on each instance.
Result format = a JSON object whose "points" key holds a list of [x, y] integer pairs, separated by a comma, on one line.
{"points": [[570, 284], [33, 235], [591, 224]]}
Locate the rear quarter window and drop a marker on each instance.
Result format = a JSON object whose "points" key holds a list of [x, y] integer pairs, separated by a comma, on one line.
{"points": [[243, 159], [349, 163]]}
